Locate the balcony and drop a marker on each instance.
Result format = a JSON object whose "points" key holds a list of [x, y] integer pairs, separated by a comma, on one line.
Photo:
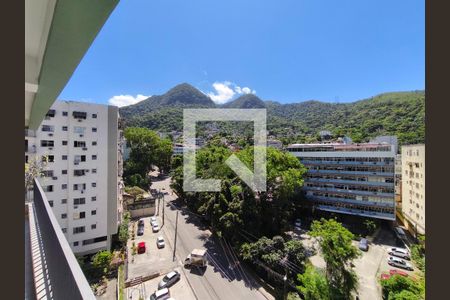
{"points": [[348, 163], [380, 174], [351, 182], [349, 192], [357, 212], [351, 201], [52, 271]]}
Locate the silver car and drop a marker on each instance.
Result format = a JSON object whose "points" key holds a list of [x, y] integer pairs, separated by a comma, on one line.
{"points": [[400, 263], [160, 242], [169, 280]]}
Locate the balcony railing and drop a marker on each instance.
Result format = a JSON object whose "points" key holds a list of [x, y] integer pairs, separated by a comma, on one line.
{"points": [[370, 214], [55, 270], [352, 182], [364, 173], [350, 192], [351, 201], [348, 163]]}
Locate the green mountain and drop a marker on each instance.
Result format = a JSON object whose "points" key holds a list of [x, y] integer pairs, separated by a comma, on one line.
{"points": [[245, 101], [397, 113]]}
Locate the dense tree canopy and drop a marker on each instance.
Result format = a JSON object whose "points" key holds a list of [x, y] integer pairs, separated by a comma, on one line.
{"points": [[266, 213], [338, 251]]}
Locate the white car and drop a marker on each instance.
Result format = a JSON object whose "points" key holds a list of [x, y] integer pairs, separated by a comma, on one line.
{"points": [[160, 242], [161, 294], [399, 252], [155, 228]]}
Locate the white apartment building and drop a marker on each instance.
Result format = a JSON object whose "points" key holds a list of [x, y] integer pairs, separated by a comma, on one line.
{"points": [[82, 180], [413, 187], [356, 179]]}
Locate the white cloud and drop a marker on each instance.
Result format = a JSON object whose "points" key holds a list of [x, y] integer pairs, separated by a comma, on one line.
{"points": [[224, 91], [124, 100]]}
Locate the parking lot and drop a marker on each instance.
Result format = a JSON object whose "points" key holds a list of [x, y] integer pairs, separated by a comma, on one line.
{"points": [[370, 265], [154, 260]]}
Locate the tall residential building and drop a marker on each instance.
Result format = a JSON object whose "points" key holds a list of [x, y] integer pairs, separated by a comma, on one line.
{"points": [[356, 179], [82, 179], [413, 187]]}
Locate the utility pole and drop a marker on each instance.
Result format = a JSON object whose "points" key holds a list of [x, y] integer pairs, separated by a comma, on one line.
{"points": [[158, 197], [164, 205], [175, 239]]}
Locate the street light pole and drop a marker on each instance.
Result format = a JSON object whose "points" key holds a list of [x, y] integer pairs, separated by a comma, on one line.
{"points": [[175, 239], [164, 205]]}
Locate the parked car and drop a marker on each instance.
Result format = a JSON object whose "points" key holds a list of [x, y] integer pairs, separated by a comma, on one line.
{"points": [[393, 272], [155, 228], [161, 294], [399, 252], [153, 219], [364, 244], [140, 230], [170, 279], [141, 222], [160, 242], [141, 248], [400, 263], [154, 223]]}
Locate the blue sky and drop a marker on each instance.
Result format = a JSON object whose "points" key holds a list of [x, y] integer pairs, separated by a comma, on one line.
{"points": [[285, 50]]}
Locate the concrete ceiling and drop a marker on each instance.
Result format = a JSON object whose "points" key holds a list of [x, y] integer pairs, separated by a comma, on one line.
{"points": [[57, 35]]}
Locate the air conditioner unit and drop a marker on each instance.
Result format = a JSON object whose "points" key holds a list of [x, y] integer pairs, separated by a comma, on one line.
{"points": [[50, 134], [54, 178], [76, 163], [81, 135], [86, 171], [79, 120], [75, 206], [84, 148], [82, 191], [50, 148]]}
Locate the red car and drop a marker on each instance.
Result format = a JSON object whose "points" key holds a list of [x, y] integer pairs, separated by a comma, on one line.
{"points": [[141, 248], [398, 272]]}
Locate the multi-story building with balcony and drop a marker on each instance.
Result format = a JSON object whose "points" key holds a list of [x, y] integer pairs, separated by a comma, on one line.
{"points": [[413, 187], [356, 179], [81, 143]]}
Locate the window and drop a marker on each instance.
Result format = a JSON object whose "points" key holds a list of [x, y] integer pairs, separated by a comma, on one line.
{"points": [[63, 216], [93, 212], [95, 240], [94, 157], [50, 114], [46, 143], [79, 201], [79, 144], [79, 115], [64, 230], [64, 143], [81, 186], [64, 186], [94, 198], [48, 173], [93, 226], [79, 158], [79, 229], [64, 128], [64, 113], [48, 188], [75, 244], [64, 172], [48, 158], [94, 129], [64, 157], [50, 202], [79, 172], [94, 116], [94, 143], [48, 128], [78, 129], [94, 171], [80, 215], [63, 201]]}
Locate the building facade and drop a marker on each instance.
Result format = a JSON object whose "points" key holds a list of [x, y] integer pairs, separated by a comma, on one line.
{"points": [[82, 179], [356, 179], [413, 187]]}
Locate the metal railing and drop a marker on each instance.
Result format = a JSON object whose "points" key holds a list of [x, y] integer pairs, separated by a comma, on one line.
{"points": [[57, 274]]}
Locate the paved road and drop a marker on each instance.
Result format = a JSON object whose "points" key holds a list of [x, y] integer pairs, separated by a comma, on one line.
{"points": [[219, 280]]}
